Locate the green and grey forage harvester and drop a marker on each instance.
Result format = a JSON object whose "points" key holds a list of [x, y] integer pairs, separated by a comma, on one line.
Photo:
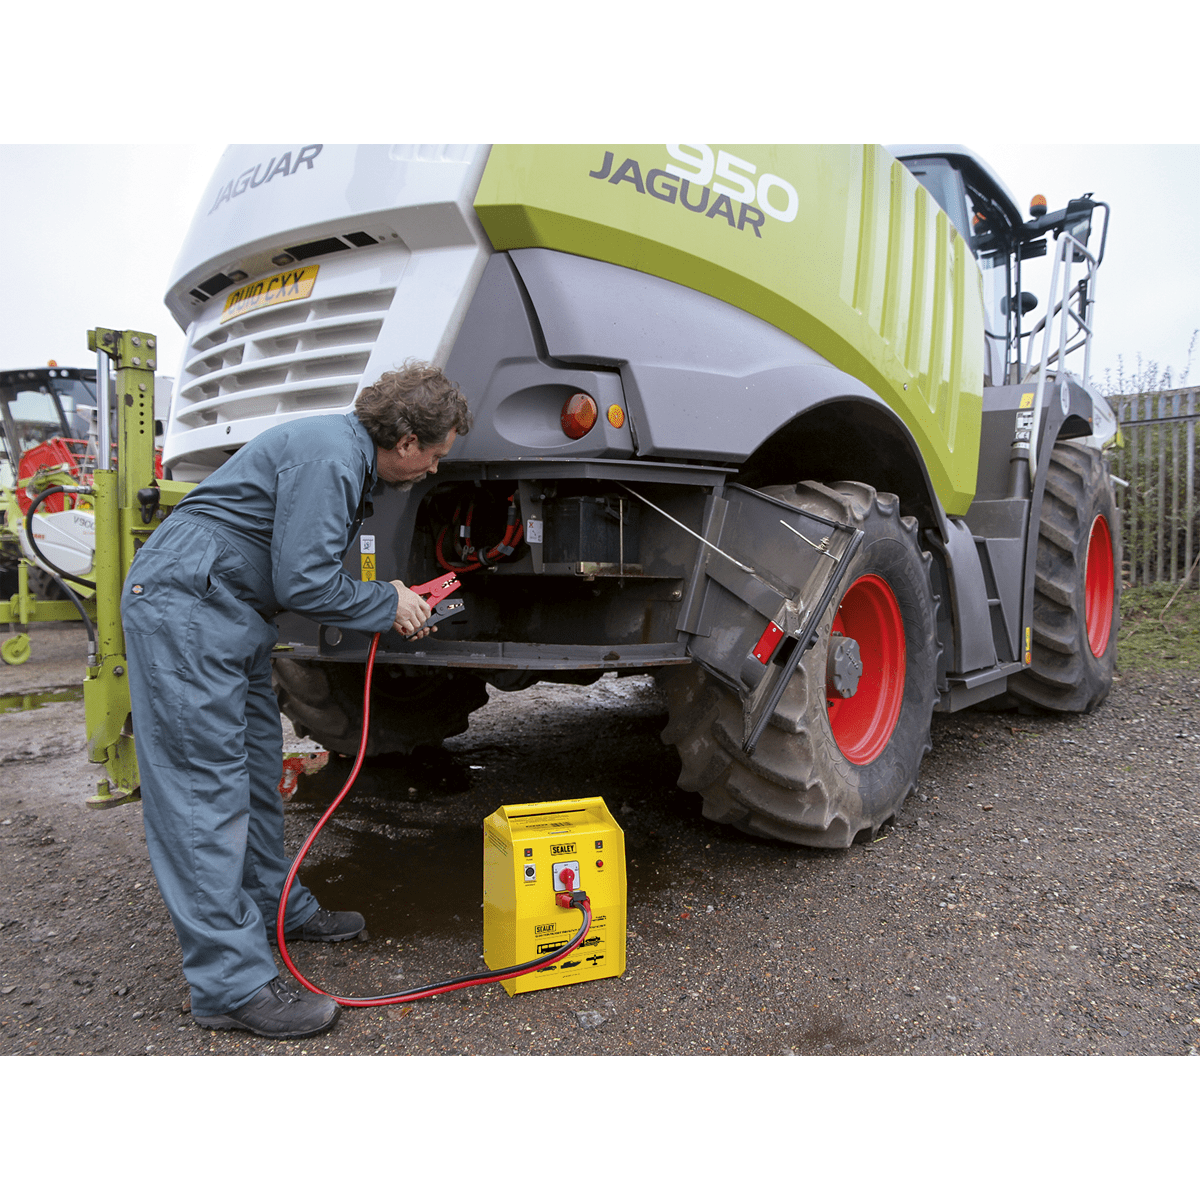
{"points": [[762, 421]]}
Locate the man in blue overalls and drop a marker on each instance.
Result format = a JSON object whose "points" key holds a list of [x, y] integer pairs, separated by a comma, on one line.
{"points": [[265, 533]]}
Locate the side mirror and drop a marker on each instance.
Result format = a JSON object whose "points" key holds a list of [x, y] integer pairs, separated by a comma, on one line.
{"points": [[1079, 222], [1027, 301]]}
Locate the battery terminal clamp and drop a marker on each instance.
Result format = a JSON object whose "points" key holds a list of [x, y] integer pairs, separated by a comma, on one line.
{"points": [[436, 593], [441, 610]]}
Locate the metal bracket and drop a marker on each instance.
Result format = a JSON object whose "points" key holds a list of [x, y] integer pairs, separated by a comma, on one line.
{"points": [[804, 639]]}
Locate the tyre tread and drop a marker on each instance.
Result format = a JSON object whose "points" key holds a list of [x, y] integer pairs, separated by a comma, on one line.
{"points": [[780, 792], [1065, 676]]}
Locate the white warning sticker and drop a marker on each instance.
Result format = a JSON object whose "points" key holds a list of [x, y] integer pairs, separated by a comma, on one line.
{"points": [[366, 543], [533, 531]]}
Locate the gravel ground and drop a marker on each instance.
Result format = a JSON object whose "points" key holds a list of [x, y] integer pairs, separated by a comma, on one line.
{"points": [[1038, 896]]}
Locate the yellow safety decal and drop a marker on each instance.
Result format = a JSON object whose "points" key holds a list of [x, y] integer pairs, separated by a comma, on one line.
{"points": [[1027, 400], [1028, 645], [366, 549]]}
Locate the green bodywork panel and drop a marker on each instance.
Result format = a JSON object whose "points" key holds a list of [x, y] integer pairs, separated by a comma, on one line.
{"points": [[838, 246]]}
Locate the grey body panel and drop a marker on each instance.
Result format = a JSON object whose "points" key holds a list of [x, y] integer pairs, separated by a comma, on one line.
{"points": [[516, 395], [1003, 560], [700, 381], [972, 648], [1067, 413], [703, 380]]}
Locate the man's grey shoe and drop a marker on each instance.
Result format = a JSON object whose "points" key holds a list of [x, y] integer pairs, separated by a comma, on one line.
{"points": [[324, 926], [279, 1009]]}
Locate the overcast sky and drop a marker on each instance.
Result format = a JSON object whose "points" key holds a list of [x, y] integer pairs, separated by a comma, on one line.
{"points": [[91, 234]]}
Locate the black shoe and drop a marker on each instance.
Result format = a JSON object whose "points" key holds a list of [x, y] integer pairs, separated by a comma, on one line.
{"points": [[279, 1009], [324, 926]]}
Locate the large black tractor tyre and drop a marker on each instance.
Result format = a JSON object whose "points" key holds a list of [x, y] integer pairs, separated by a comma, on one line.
{"points": [[324, 702], [827, 771], [1077, 587]]}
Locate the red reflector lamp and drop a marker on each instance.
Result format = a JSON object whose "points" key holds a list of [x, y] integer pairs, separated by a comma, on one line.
{"points": [[767, 643], [579, 415]]}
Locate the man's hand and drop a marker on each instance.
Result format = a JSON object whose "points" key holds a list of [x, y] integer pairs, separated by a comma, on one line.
{"points": [[411, 613]]}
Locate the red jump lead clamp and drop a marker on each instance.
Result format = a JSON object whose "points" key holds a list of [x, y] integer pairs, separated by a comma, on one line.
{"points": [[436, 593]]}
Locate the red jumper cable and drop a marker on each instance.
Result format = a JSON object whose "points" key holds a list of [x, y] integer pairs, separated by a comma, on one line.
{"points": [[572, 899]]}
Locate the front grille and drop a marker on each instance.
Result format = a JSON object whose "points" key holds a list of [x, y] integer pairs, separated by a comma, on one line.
{"points": [[289, 358]]}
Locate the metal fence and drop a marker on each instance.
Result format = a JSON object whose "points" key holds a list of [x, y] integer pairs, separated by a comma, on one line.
{"points": [[1158, 500]]}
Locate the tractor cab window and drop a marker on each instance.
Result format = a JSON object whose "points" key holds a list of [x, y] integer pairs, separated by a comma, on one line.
{"points": [[986, 231], [944, 183], [991, 242], [77, 398], [35, 410], [35, 418]]}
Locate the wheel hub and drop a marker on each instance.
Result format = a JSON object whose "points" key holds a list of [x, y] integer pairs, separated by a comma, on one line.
{"points": [[843, 667], [869, 618]]}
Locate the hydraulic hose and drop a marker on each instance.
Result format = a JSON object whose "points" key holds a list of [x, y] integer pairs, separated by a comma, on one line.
{"points": [[93, 641], [578, 900], [38, 501], [59, 575]]}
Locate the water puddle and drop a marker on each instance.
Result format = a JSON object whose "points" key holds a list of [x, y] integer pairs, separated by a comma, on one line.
{"points": [[412, 867], [32, 700], [406, 846]]}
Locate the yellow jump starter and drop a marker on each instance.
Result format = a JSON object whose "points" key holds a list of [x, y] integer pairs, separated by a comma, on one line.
{"points": [[533, 852]]}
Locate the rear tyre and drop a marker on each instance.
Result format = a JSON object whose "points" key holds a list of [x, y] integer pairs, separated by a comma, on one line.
{"points": [[1077, 588], [827, 770], [324, 702]]}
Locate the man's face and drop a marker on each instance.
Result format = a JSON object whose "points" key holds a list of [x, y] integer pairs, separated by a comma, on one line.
{"points": [[408, 462]]}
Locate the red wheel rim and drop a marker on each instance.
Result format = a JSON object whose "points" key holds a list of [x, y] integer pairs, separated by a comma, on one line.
{"points": [[1098, 587], [863, 723]]}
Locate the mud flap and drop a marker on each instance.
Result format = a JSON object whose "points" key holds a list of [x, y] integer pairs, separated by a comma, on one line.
{"points": [[758, 592]]}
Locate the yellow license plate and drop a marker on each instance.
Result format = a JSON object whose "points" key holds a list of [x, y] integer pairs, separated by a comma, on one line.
{"points": [[296, 284]]}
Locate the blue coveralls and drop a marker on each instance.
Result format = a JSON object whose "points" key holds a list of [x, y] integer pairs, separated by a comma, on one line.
{"points": [[264, 533]]}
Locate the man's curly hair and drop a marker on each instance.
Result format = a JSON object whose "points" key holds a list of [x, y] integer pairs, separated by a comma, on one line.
{"points": [[416, 399]]}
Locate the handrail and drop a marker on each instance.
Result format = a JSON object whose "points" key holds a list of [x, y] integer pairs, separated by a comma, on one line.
{"points": [[1068, 250]]}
